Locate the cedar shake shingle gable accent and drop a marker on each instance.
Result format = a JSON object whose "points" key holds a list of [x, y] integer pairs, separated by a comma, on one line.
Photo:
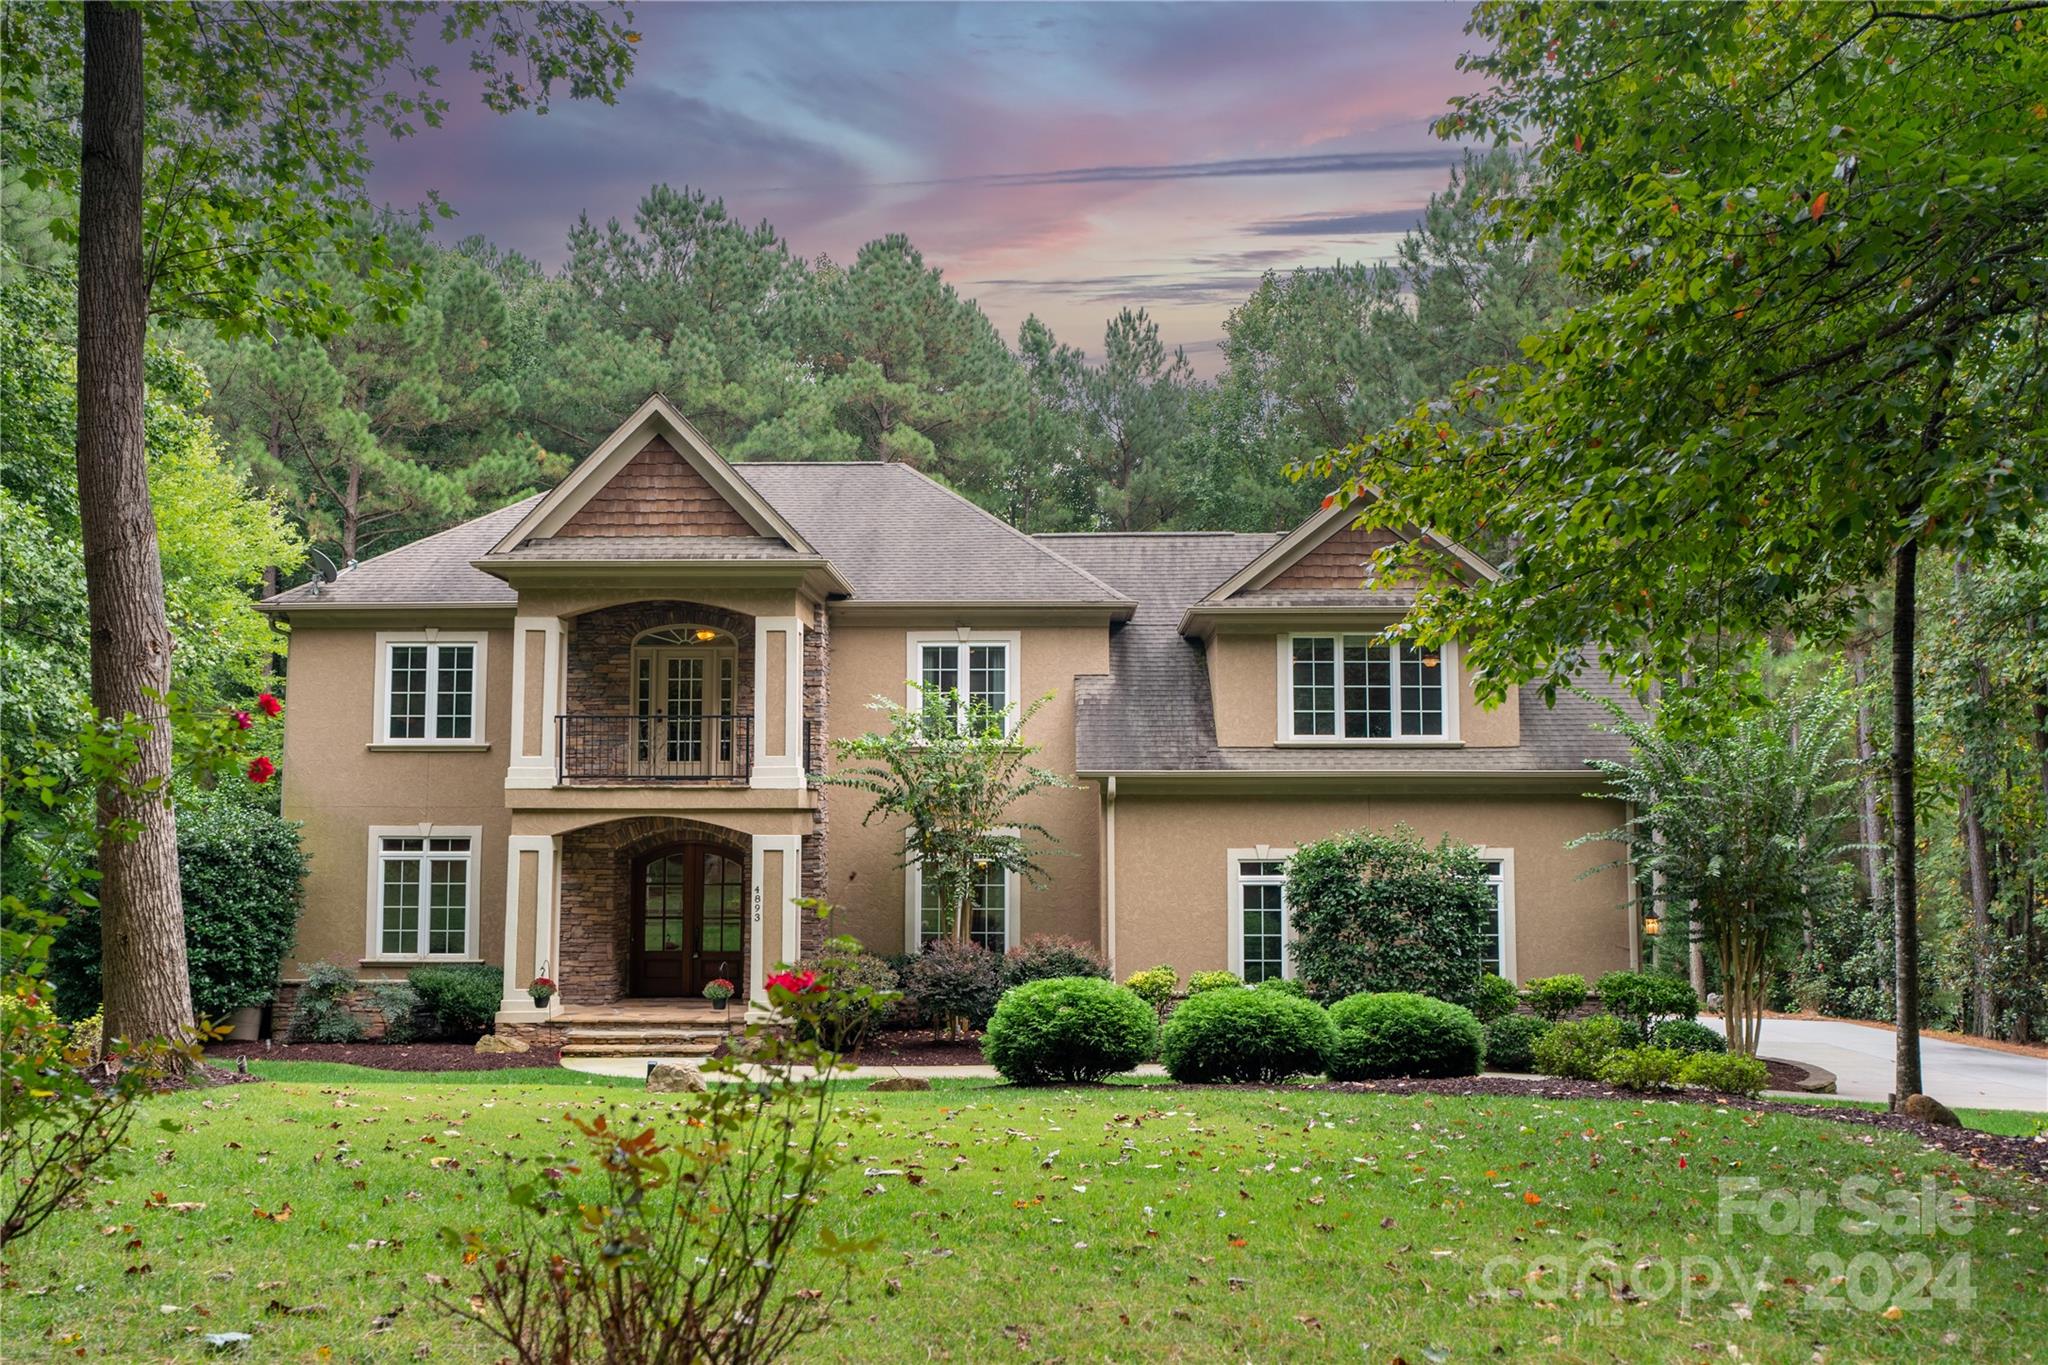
{"points": [[657, 493], [1337, 563]]}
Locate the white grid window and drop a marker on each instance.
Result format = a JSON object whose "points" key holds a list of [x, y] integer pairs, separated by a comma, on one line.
{"points": [[1261, 926], [423, 907], [987, 915], [430, 691], [1361, 687], [1490, 951], [980, 672]]}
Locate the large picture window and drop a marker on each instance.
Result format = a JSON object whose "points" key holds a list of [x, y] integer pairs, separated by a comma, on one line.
{"points": [[430, 689], [981, 671], [1364, 687], [425, 895], [991, 913], [1258, 914]]}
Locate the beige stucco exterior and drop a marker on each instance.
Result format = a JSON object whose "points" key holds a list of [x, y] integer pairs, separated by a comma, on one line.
{"points": [[1173, 869]]}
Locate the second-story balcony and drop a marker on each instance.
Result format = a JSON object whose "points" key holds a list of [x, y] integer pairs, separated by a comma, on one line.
{"points": [[654, 748]]}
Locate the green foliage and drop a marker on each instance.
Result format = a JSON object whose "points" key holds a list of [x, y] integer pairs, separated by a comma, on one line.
{"points": [[1642, 998], [463, 997], [954, 983], [1154, 985], [1283, 985], [1213, 981], [1255, 1037], [1075, 1029], [1043, 956], [1495, 998], [1554, 997], [321, 1013], [1386, 912], [861, 993], [1727, 1073], [1401, 1034], [398, 1003], [1511, 1041], [1642, 1068], [1687, 1036], [1575, 1048]]}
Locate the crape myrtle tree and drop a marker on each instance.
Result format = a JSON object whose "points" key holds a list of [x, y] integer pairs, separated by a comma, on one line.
{"points": [[1815, 244], [202, 156]]}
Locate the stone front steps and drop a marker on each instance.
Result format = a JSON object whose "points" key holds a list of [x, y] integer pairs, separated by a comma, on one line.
{"points": [[656, 1033]]}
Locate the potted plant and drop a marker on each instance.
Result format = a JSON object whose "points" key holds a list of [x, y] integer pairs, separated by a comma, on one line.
{"points": [[718, 990], [542, 990]]}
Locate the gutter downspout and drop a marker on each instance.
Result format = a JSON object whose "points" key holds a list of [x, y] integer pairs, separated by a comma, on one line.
{"points": [[1109, 871]]}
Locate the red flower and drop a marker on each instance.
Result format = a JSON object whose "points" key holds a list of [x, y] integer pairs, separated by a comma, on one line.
{"points": [[243, 720], [268, 704], [261, 769], [796, 983], [540, 981]]}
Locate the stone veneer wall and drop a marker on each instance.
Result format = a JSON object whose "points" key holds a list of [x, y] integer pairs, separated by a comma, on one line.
{"points": [[600, 652], [817, 694], [597, 898]]}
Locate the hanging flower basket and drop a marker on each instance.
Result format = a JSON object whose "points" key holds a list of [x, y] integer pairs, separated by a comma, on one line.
{"points": [[718, 990], [541, 990]]}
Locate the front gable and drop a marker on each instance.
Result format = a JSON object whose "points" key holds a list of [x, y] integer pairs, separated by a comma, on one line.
{"points": [[1327, 555], [656, 493]]}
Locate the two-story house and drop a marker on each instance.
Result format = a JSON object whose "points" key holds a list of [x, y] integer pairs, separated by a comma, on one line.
{"points": [[578, 736]]}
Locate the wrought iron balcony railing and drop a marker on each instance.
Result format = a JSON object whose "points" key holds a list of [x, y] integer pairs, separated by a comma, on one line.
{"points": [[681, 748]]}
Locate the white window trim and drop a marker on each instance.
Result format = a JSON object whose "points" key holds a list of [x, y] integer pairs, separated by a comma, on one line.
{"points": [[913, 905], [913, 665], [1448, 655], [1233, 917], [1506, 858], [380, 737], [373, 917]]}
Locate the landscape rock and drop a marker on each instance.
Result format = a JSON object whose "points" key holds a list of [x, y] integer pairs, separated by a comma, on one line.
{"points": [[491, 1042], [1928, 1109], [670, 1078], [891, 1084]]}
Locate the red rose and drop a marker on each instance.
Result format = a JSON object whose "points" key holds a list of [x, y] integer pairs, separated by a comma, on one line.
{"points": [[243, 720], [268, 704], [261, 769]]}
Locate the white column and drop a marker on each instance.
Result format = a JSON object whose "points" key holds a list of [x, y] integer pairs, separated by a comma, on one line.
{"points": [[774, 925], [536, 696], [778, 687], [517, 1006]]}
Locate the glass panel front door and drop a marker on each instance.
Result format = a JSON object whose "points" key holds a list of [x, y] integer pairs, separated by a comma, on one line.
{"points": [[682, 707], [689, 920]]}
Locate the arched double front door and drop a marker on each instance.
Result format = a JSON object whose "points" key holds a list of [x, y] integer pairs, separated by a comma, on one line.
{"points": [[689, 919]]}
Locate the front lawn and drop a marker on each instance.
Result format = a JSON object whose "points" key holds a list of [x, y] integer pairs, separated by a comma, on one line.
{"points": [[1119, 1222]]}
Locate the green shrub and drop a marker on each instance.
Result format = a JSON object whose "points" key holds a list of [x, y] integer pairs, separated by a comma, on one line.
{"points": [[1495, 998], [1511, 1041], [1687, 1036], [1155, 985], [1256, 1036], [1574, 1048], [864, 990], [399, 1005], [1045, 957], [321, 1013], [1284, 985], [1554, 997], [1212, 981], [1642, 1068], [1642, 998], [1069, 1029], [242, 874], [463, 997], [953, 980], [1387, 912], [1401, 1034], [1725, 1072]]}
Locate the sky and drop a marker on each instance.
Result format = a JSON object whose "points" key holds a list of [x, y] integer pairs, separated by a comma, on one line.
{"points": [[1063, 160]]}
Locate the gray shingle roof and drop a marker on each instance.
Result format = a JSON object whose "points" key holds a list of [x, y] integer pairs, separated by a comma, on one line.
{"points": [[434, 572], [1153, 712], [897, 536], [695, 549]]}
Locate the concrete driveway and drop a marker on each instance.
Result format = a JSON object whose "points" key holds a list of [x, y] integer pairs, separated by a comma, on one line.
{"points": [[1958, 1074]]}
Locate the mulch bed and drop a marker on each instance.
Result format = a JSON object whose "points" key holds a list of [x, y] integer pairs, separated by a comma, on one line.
{"points": [[918, 1047], [384, 1056]]}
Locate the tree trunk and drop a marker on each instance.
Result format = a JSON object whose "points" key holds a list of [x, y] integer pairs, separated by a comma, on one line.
{"points": [[146, 990], [1905, 852]]}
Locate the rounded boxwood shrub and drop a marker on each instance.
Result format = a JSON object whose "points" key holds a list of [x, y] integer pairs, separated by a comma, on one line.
{"points": [[1068, 1029], [1511, 1041], [463, 997], [1155, 985], [1256, 1036], [1554, 997], [1575, 1048], [1727, 1073], [1044, 957], [1213, 981], [1496, 998], [1397, 1033], [1642, 1068], [1642, 998], [1284, 985], [1687, 1036]]}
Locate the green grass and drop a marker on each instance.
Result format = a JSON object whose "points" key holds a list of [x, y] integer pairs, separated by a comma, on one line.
{"points": [[2006, 1122], [1118, 1223]]}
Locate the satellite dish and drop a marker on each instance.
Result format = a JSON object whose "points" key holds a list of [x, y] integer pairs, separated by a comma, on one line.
{"points": [[324, 571]]}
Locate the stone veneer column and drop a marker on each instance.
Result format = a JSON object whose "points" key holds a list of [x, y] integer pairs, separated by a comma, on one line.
{"points": [[536, 695]]}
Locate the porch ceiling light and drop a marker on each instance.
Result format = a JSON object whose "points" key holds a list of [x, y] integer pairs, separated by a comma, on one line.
{"points": [[705, 633]]}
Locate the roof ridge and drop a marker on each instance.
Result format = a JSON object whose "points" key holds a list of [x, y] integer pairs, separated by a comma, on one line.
{"points": [[1025, 536], [449, 531]]}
